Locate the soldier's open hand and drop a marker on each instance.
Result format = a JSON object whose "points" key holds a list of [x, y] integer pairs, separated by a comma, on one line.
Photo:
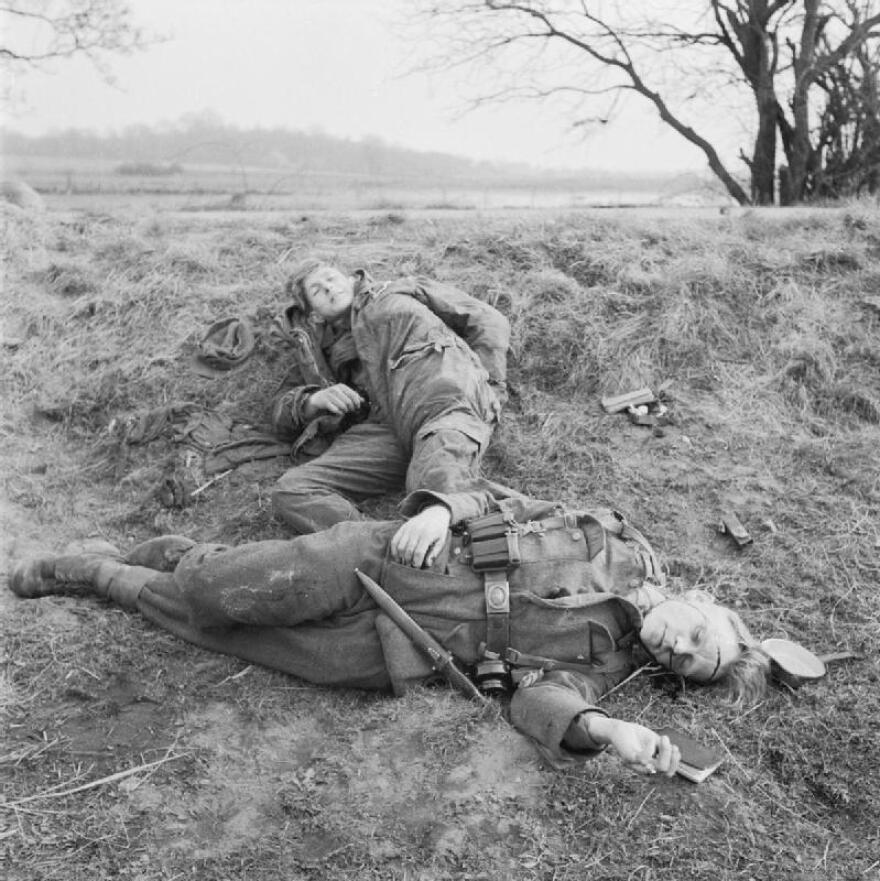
{"points": [[418, 542]]}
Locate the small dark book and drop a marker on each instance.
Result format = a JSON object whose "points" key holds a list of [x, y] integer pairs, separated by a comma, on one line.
{"points": [[697, 761]]}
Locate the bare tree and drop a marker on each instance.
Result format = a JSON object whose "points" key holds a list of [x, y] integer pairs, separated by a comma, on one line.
{"points": [[819, 51], [789, 47], [773, 47], [34, 33], [748, 30], [847, 145], [585, 51]]}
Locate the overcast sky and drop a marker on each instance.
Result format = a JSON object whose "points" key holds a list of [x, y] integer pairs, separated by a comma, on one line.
{"points": [[336, 65]]}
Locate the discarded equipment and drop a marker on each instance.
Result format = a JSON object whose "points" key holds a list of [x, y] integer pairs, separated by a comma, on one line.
{"points": [[792, 664], [642, 407], [731, 525]]}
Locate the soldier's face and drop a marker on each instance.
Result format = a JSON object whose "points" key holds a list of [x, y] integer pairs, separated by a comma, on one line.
{"points": [[693, 638], [329, 292]]}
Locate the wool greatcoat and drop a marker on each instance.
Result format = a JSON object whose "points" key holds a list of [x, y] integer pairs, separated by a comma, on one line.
{"points": [[297, 606], [431, 363]]}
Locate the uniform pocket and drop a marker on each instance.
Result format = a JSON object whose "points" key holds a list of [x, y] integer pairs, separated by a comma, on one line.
{"points": [[429, 592], [417, 351]]}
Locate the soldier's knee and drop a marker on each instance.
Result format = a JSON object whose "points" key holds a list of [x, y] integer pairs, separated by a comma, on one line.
{"points": [[286, 494], [294, 498], [297, 481]]}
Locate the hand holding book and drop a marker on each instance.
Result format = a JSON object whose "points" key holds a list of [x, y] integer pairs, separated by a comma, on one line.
{"points": [[638, 747], [697, 761]]}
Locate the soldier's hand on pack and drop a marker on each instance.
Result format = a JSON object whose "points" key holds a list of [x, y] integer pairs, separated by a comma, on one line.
{"points": [[336, 399], [418, 542], [638, 747]]}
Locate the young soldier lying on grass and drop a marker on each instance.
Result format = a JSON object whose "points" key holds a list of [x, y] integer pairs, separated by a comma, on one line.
{"points": [[562, 596], [396, 386]]}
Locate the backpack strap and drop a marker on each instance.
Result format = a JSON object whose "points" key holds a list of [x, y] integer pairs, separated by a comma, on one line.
{"points": [[624, 530], [497, 592]]}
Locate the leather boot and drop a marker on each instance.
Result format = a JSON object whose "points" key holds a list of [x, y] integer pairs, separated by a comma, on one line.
{"points": [[33, 577], [104, 576], [107, 577], [162, 553]]}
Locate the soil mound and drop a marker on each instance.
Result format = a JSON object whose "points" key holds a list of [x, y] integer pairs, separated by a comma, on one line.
{"points": [[21, 195]]}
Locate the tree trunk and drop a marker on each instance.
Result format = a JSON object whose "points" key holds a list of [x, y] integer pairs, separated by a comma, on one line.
{"points": [[763, 165], [745, 29], [801, 149]]}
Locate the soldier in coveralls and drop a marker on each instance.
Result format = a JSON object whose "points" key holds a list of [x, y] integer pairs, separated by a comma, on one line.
{"points": [[561, 597], [396, 386]]}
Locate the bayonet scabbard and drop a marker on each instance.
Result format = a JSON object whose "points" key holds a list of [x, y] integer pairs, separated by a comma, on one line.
{"points": [[441, 659]]}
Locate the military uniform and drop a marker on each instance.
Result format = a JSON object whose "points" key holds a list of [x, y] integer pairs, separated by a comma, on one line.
{"points": [[431, 363], [296, 606]]}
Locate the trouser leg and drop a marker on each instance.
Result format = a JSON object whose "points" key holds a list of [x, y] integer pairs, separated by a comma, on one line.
{"points": [[293, 605], [275, 583], [446, 463], [283, 583], [363, 463], [342, 651], [444, 460]]}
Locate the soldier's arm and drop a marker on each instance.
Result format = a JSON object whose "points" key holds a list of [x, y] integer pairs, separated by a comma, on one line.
{"points": [[480, 325], [286, 414], [551, 710], [560, 714], [292, 406]]}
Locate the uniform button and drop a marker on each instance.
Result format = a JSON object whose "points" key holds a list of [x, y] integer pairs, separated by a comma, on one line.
{"points": [[576, 535], [456, 552]]}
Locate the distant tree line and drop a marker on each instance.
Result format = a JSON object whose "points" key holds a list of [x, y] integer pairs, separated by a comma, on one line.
{"points": [[203, 138]]}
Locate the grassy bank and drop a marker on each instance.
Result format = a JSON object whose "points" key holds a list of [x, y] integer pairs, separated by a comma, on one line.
{"points": [[764, 331]]}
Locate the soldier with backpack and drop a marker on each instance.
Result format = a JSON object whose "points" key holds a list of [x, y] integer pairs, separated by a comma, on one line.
{"points": [[395, 386], [551, 605]]}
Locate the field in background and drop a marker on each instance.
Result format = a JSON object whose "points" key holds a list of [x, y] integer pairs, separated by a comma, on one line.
{"points": [[131, 755], [89, 184]]}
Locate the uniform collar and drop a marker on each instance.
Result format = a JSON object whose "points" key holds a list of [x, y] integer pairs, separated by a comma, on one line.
{"points": [[365, 289]]}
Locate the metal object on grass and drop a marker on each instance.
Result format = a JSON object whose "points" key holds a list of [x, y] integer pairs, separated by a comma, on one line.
{"points": [[792, 664], [731, 525], [619, 403]]}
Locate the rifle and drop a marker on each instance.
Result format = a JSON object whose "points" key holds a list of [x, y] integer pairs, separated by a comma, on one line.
{"points": [[440, 658]]}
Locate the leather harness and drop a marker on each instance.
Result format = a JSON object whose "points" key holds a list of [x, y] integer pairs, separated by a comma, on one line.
{"points": [[493, 545]]}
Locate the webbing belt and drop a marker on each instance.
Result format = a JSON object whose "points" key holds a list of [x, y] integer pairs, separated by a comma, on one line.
{"points": [[522, 662], [497, 592], [495, 550]]}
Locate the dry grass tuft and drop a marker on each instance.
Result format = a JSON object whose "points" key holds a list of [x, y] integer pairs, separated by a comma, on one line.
{"points": [[768, 356]]}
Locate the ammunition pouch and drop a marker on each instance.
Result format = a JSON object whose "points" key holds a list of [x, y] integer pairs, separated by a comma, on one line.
{"points": [[493, 545], [493, 542]]}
